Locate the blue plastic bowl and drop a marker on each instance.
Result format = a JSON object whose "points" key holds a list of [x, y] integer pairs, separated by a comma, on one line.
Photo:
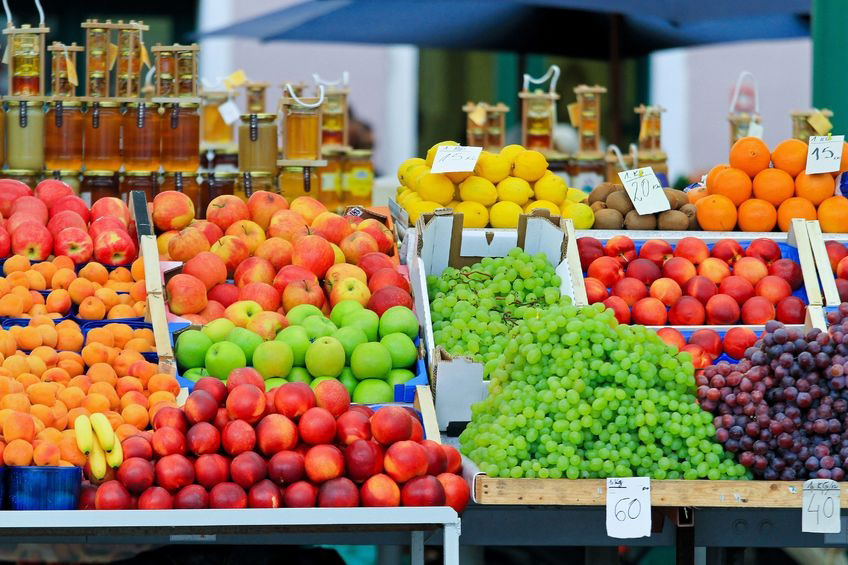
{"points": [[43, 488]]}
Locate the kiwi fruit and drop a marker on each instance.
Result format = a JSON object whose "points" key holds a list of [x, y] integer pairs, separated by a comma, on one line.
{"points": [[619, 200], [608, 219], [634, 221], [598, 205], [676, 198], [691, 212], [600, 192], [673, 220]]}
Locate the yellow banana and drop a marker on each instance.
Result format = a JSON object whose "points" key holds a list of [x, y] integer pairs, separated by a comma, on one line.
{"points": [[115, 457], [82, 431], [103, 430], [97, 461]]}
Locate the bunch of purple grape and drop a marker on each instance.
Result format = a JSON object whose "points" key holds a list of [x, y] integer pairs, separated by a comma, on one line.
{"points": [[783, 409]]}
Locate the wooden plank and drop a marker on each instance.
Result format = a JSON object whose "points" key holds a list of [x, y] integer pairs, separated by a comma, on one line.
{"points": [[575, 270], [668, 493], [424, 404], [825, 272], [799, 238]]}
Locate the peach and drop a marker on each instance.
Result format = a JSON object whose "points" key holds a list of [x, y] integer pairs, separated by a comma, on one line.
{"points": [[380, 491], [656, 251], [246, 402], [700, 358], [672, 337], [238, 436], [200, 406], [227, 495], [317, 426], [631, 290], [842, 289], [294, 399], [666, 290], [172, 418], [211, 469], [247, 469], [286, 467], [751, 268], [709, 340], [186, 294], [788, 270], [596, 291], [225, 210], [338, 493], [842, 268], [173, 472], [352, 426], [136, 473], [619, 307], [738, 288], [607, 270], [621, 248], [456, 490], [714, 269], [773, 288], [791, 310], [835, 253], [722, 310], [192, 496], [693, 249], [643, 270], [589, 249], [324, 462], [687, 311], [254, 269], [276, 433], [264, 494], [405, 460], [700, 287], [112, 495], [764, 249], [262, 205], [679, 270], [649, 312], [391, 424], [737, 340], [276, 250], [301, 494], [332, 396]]}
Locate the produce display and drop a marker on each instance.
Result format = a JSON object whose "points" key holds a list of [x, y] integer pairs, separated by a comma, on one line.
{"points": [[502, 186], [692, 283]]}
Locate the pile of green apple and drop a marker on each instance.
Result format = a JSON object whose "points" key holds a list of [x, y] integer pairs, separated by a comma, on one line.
{"points": [[367, 353]]}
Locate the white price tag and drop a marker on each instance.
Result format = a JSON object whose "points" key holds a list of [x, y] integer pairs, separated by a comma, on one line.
{"points": [[755, 129], [820, 511], [644, 190], [629, 507], [455, 159], [824, 153], [229, 112]]}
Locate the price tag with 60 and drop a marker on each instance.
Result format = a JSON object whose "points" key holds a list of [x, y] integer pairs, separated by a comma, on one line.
{"points": [[644, 190], [824, 153], [629, 507], [820, 512]]}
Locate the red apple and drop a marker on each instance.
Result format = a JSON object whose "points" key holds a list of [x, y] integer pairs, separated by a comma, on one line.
{"points": [[373, 262], [232, 250], [308, 207], [312, 252], [277, 251], [288, 225], [387, 297], [11, 190], [350, 289], [111, 206], [32, 240], [187, 295], [225, 210], [302, 292], [208, 267], [262, 204], [32, 206], [188, 243], [357, 245], [381, 234], [290, 274], [66, 219], [212, 232], [114, 248], [73, 204], [387, 277], [254, 269], [74, 243], [51, 190], [331, 227]]}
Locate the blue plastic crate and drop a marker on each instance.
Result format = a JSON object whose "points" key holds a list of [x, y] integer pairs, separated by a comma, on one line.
{"points": [[9, 322], [43, 488]]}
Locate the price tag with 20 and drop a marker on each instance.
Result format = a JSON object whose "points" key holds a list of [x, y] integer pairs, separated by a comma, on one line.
{"points": [[824, 153], [629, 507], [820, 511], [644, 190]]}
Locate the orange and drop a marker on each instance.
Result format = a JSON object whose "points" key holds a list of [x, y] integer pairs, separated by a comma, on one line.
{"points": [[18, 452], [732, 183], [696, 194], [137, 269], [794, 208], [95, 272], [833, 214], [790, 156], [716, 213], [815, 188], [15, 263], [750, 155], [773, 186], [843, 163], [711, 176]]}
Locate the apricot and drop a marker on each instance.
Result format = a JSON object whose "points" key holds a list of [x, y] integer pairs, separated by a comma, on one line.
{"points": [[102, 372], [100, 335], [121, 274], [46, 269], [108, 391], [43, 413], [49, 335], [71, 396], [73, 413], [63, 278], [11, 306], [134, 397], [138, 291], [69, 451], [122, 311], [136, 415], [161, 396], [92, 308], [49, 435], [56, 375], [42, 393], [95, 353], [80, 289], [124, 360], [60, 415], [95, 402], [107, 296], [18, 452], [121, 333], [36, 280], [15, 263], [27, 379], [68, 339], [137, 344], [63, 262], [137, 269], [126, 430], [94, 272]]}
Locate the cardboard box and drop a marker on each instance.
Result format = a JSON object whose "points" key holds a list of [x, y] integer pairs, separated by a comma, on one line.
{"points": [[441, 242]]}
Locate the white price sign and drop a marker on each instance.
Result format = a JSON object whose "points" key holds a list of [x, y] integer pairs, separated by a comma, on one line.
{"points": [[229, 112], [820, 511], [629, 507], [644, 190], [824, 153], [755, 129], [455, 159]]}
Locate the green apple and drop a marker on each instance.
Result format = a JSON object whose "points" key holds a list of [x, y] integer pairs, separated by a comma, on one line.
{"points": [[274, 382], [366, 320], [299, 313], [342, 309], [273, 359], [318, 326], [299, 375], [218, 330], [350, 337], [191, 348], [399, 376], [371, 361], [399, 319], [298, 340], [223, 357], [348, 380], [325, 357], [318, 380], [373, 391], [247, 340], [195, 374], [403, 351]]}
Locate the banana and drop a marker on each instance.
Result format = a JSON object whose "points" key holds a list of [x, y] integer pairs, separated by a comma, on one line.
{"points": [[103, 431], [82, 431], [115, 457], [97, 461]]}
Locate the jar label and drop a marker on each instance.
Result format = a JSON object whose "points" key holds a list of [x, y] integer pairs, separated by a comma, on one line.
{"points": [[178, 181], [248, 185], [22, 115], [59, 113], [175, 116], [254, 128], [139, 118], [95, 115], [359, 181], [329, 182]]}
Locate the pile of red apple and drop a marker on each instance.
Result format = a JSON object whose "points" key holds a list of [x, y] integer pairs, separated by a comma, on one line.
{"points": [[52, 220], [689, 284], [237, 446], [278, 255], [706, 345], [837, 253]]}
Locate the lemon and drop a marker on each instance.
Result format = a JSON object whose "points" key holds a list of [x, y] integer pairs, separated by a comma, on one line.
{"points": [[453, 204], [431, 153], [581, 214], [491, 167], [474, 214], [457, 178], [505, 215], [413, 174], [545, 204], [576, 195], [401, 198], [514, 189], [423, 207], [478, 189], [405, 166], [510, 151], [436, 188], [551, 188], [529, 165]]}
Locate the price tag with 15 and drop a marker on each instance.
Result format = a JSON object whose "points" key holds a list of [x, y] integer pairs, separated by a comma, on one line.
{"points": [[644, 190], [824, 153], [629, 507]]}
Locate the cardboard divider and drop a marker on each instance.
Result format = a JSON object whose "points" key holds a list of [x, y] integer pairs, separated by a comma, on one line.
{"points": [[826, 276]]}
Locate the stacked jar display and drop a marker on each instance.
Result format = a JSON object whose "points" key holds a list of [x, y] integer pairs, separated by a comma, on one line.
{"points": [[257, 154], [180, 148]]}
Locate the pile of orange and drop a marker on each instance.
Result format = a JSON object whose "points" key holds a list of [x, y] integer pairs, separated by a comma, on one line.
{"points": [[760, 190], [98, 293]]}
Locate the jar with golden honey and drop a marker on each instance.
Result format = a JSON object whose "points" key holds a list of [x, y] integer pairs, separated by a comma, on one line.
{"points": [[302, 132], [357, 178], [215, 129], [250, 181], [63, 131], [257, 143], [26, 54], [214, 185], [330, 193], [102, 150], [27, 176], [299, 181], [97, 85], [180, 131], [141, 129], [138, 180], [69, 177], [587, 172], [25, 135], [185, 182], [98, 184]]}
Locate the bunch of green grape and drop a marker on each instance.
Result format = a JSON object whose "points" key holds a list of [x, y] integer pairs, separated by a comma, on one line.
{"points": [[577, 395], [474, 308]]}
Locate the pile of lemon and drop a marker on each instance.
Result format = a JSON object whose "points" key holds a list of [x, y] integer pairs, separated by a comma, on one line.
{"points": [[502, 187]]}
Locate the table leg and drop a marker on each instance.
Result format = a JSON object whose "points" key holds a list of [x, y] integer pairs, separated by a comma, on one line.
{"points": [[417, 548], [451, 544]]}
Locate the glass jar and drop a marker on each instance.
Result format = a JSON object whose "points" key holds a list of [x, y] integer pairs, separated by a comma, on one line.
{"points": [[25, 135], [257, 143], [215, 129], [27, 176], [331, 179], [103, 137], [358, 178], [166, 85], [182, 182], [63, 136], [302, 137], [587, 173], [98, 184], [299, 181], [97, 85], [138, 180], [69, 177], [333, 119], [181, 137], [2, 137], [26, 63], [213, 186], [249, 182], [141, 125]]}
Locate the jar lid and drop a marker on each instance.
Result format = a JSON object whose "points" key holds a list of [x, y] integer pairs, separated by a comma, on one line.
{"points": [[166, 76], [29, 103], [106, 103], [69, 172], [257, 174], [67, 103], [19, 172], [97, 74], [190, 174], [96, 52], [139, 173], [261, 117], [214, 96], [98, 173], [360, 153], [223, 175], [148, 105], [188, 105]]}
